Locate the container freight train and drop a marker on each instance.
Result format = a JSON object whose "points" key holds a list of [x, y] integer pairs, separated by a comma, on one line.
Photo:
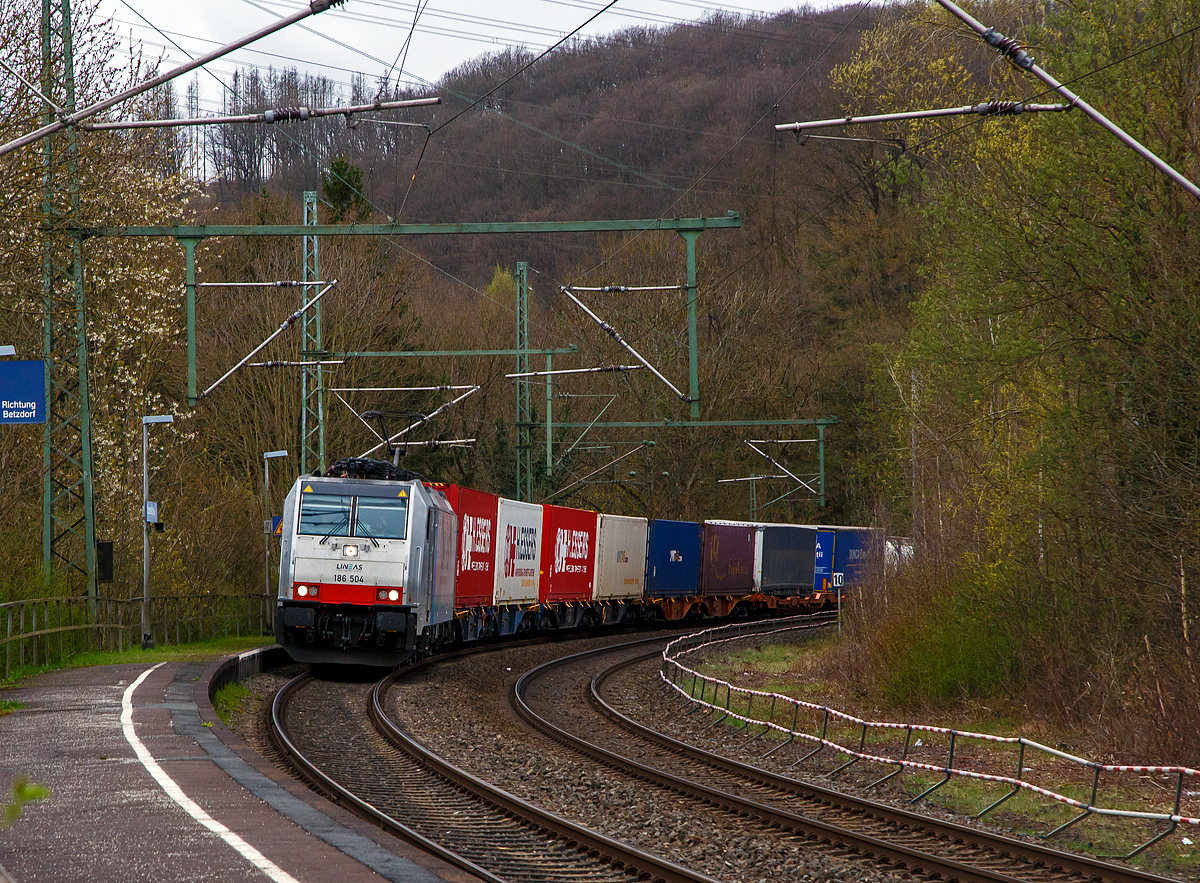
{"points": [[378, 572]]}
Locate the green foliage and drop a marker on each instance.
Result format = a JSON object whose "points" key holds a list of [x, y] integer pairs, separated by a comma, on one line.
{"points": [[1049, 380], [23, 792], [956, 651], [503, 286], [342, 187], [228, 701]]}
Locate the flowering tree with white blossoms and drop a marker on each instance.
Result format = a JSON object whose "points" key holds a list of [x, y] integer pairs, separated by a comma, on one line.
{"points": [[133, 288]]}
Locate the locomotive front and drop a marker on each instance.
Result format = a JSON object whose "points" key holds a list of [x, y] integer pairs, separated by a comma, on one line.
{"points": [[357, 581]]}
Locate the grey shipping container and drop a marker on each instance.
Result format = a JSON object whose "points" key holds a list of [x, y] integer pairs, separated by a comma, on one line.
{"points": [[787, 559]]}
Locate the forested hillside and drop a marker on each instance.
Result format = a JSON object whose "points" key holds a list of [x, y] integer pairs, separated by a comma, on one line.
{"points": [[1000, 312], [648, 122]]}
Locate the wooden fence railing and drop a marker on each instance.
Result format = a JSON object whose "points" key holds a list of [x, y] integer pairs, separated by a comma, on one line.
{"points": [[39, 631]]}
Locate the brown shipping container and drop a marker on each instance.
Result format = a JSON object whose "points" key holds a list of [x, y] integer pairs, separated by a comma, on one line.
{"points": [[728, 559]]}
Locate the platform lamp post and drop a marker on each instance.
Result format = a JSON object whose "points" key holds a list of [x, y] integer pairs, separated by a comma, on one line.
{"points": [[149, 519], [268, 456]]}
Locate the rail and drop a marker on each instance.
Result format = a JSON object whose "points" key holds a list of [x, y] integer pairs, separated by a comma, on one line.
{"points": [[42, 631], [685, 681]]}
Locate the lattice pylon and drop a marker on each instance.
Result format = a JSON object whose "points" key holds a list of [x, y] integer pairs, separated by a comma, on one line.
{"points": [[68, 502], [312, 381], [524, 405]]}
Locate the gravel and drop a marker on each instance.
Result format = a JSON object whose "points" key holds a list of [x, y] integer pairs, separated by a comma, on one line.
{"points": [[460, 709]]}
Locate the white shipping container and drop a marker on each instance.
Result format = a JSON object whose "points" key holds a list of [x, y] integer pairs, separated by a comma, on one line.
{"points": [[519, 553], [621, 557]]}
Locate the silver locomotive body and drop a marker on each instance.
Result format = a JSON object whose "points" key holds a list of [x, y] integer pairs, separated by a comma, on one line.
{"points": [[366, 571]]}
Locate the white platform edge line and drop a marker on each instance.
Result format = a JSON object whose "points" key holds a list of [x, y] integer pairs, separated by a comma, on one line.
{"points": [[244, 849]]}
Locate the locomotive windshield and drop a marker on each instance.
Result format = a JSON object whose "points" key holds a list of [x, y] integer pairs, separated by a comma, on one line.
{"points": [[381, 518], [325, 514], [377, 518]]}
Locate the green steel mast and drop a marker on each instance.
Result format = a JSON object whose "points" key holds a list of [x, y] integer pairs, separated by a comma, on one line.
{"points": [[312, 381], [68, 502]]}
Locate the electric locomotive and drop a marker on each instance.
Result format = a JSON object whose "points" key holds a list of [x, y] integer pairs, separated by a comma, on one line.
{"points": [[366, 570]]}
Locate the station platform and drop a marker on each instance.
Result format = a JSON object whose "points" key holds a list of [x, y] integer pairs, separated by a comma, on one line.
{"points": [[146, 783]]}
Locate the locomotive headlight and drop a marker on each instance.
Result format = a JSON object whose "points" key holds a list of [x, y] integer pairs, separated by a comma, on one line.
{"points": [[393, 595], [302, 591], [349, 551], [382, 595]]}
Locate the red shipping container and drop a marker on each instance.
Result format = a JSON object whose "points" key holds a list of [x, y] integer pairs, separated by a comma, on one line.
{"points": [[474, 576], [568, 554], [728, 559]]}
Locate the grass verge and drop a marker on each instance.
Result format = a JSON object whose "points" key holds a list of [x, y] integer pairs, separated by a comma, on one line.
{"points": [[210, 648]]}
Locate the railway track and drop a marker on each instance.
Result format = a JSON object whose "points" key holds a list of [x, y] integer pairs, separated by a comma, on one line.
{"points": [[551, 696], [341, 741]]}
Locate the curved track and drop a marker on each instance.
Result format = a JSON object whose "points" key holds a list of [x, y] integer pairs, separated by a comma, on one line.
{"points": [[551, 696], [338, 736]]}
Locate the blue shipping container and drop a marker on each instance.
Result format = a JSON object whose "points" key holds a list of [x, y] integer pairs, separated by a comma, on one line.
{"points": [[673, 559], [850, 555], [823, 557]]}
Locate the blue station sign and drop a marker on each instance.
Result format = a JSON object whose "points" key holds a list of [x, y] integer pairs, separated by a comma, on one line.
{"points": [[22, 392]]}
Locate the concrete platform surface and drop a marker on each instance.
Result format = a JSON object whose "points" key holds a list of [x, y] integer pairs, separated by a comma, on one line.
{"points": [[171, 796]]}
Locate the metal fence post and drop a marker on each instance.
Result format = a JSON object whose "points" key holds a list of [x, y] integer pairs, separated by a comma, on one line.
{"points": [[949, 772], [770, 719], [1087, 811], [749, 707], [862, 743], [728, 696], [821, 738], [1016, 788], [21, 658], [903, 756], [791, 732]]}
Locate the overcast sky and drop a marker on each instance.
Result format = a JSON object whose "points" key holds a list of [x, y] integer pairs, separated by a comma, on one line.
{"points": [[368, 36]]}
